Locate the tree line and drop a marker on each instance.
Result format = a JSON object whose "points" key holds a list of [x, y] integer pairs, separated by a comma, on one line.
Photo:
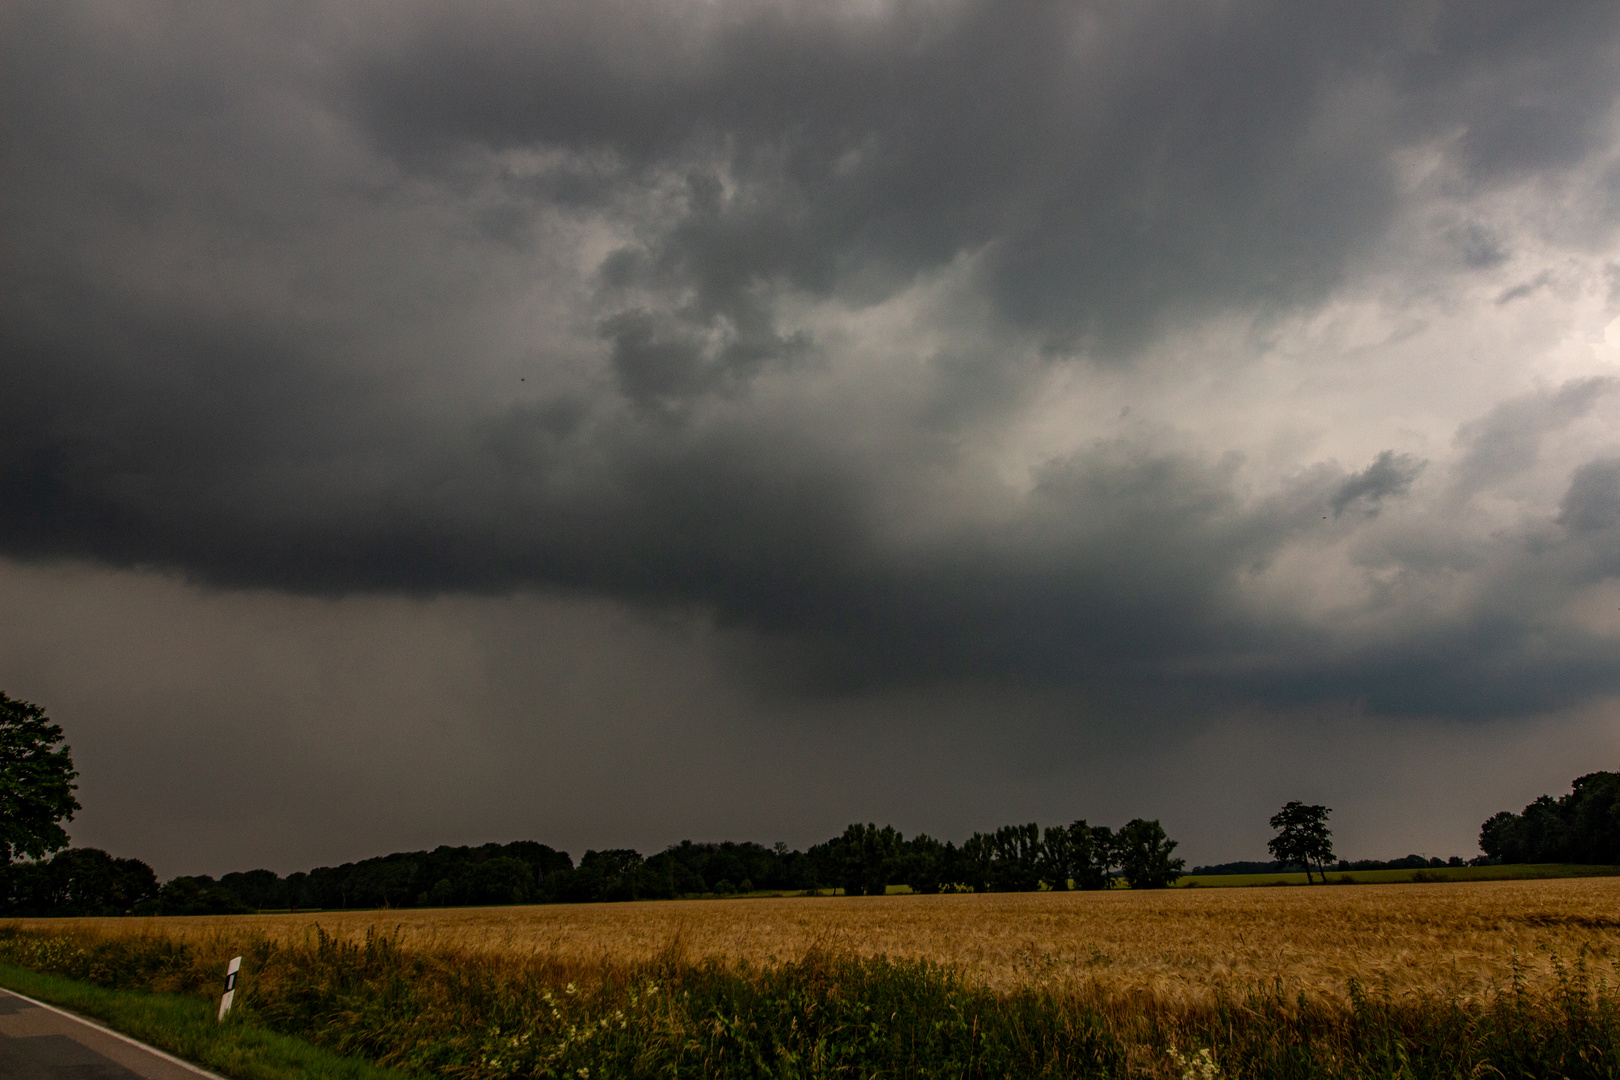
{"points": [[36, 796], [865, 860], [37, 786], [1274, 866], [1581, 827]]}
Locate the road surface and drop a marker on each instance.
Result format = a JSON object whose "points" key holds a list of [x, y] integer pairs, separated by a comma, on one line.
{"points": [[38, 1042]]}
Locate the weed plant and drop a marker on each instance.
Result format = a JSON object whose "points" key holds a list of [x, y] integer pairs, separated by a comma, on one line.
{"points": [[827, 1014]]}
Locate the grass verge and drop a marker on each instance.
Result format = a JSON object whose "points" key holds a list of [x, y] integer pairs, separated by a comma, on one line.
{"points": [[184, 1025]]}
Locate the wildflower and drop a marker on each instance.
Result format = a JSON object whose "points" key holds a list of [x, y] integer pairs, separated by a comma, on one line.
{"points": [[1199, 1066]]}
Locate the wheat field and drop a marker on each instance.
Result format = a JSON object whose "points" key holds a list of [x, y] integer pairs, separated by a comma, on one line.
{"points": [[1178, 945]]}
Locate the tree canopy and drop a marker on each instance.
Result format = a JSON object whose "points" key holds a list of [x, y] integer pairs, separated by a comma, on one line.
{"points": [[36, 782], [1303, 837], [1143, 852], [1581, 827]]}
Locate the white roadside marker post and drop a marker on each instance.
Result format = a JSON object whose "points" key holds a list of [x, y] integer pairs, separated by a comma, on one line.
{"points": [[230, 987]]}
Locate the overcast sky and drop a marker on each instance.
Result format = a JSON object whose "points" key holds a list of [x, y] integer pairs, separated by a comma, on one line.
{"points": [[610, 423]]}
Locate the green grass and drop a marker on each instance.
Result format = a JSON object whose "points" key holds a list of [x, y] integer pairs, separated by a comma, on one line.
{"points": [[1386, 877], [185, 1026]]}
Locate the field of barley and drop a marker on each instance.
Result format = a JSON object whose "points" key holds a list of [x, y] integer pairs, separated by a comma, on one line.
{"points": [[1177, 946]]}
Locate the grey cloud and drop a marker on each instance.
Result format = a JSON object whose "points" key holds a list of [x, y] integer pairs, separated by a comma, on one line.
{"points": [[1389, 474], [662, 360], [1508, 440], [1476, 244], [654, 366], [1526, 288], [1118, 165], [1592, 502], [250, 343]]}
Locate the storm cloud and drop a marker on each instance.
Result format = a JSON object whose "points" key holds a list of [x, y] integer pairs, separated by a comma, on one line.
{"points": [[1161, 357]]}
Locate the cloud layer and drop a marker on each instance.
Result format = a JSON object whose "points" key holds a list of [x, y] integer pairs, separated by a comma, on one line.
{"points": [[1242, 352]]}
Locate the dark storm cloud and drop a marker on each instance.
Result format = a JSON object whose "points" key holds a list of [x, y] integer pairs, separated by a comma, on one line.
{"points": [[1390, 474], [1119, 164], [260, 274], [1593, 499]]}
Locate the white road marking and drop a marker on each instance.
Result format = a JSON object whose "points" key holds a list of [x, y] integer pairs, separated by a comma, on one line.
{"points": [[154, 1051]]}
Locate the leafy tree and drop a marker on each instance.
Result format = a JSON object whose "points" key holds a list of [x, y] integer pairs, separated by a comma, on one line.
{"points": [[443, 894], [1144, 855], [1500, 838], [975, 861], [923, 863], [1077, 856], [200, 895], [870, 858], [1094, 853], [614, 874], [1057, 864], [1015, 858], [258, 889], [1592, 811], [78, 881], [505, 880], [1303, 837], [297, 890], [36, 782], [1581, 827]]}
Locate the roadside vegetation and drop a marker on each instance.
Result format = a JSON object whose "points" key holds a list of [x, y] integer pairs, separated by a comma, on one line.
{"points": [[184, 1025], [825, 1013]]}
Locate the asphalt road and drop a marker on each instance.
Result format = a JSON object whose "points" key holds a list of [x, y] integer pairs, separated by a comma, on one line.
{"points": [[38, 1042]]}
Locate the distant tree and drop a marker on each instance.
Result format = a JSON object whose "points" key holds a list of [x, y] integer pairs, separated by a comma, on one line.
{"points": [[1581, 827], [36, 782], [297, 883], [871, 858], [862, 862], [200, 895], [1303, 837], [78, 881], [1144, 855], [1592, 811], [258, 889], [1057, 863], [1545, 833], [1500, 839], [1015, 858], [1077, 856], [922, 863], [505, 880], [1096, 854], [974, 862], [442, 894]]}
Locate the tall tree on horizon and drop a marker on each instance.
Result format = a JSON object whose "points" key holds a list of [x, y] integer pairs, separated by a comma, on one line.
{"points": [[1302, 837], [1143, 853]]}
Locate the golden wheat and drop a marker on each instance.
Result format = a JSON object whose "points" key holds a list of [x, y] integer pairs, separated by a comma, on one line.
{"points": [[1177, 946]]}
